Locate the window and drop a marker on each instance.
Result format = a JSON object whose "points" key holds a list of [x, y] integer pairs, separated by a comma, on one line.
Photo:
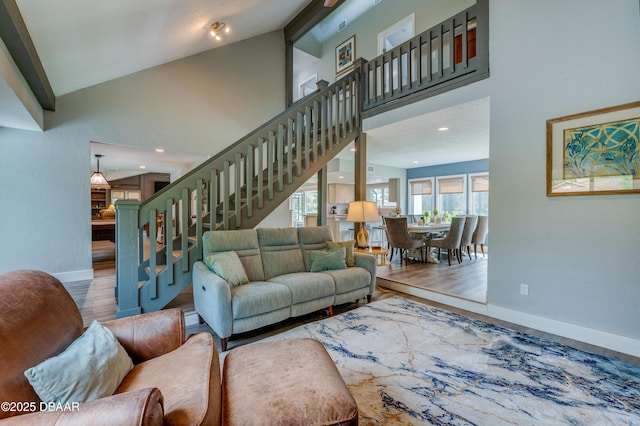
{"points": [[479, 200], [420, 196], [451, 195], [380, 194], [303, 203]]}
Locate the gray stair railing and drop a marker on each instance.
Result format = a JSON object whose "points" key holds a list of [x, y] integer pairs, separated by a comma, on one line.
{"points": [[158, 240]]}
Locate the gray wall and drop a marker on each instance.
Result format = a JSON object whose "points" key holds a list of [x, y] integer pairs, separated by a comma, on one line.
{"points": [[579, 255], [199, 104]]}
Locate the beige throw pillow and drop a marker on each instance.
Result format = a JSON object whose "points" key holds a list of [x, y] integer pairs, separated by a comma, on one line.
{"points": [[348, 245]]}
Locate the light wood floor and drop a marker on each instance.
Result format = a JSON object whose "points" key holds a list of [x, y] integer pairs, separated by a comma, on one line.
{"points": [[96, 300], [467, 280]]}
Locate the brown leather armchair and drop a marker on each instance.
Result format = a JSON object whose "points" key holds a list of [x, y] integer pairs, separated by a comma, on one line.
{"points": [[174, 381]]}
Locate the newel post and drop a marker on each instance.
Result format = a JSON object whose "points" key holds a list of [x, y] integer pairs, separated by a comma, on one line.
{"points": [[127, 212]]}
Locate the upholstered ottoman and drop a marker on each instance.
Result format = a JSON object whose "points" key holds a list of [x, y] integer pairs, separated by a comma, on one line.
{"points": [[285, 382]]}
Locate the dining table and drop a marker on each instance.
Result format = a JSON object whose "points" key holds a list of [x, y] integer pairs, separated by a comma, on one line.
{"points": [[431, 228]]}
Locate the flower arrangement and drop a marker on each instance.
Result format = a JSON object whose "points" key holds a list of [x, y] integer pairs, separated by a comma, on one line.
{"points": [[397, 211]]}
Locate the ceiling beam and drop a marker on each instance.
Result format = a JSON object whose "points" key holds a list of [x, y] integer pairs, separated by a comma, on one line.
{"points": [[310, 16], [15, 35]]}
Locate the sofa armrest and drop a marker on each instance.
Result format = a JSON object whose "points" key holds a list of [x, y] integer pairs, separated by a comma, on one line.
{"points": [[142, 407], [368, 262], [149, 335], [212, 299]]}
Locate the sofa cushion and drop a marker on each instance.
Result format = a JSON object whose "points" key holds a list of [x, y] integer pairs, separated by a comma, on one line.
{"points": [[350, 258], [244, 242], [349, 279], [92, 367], [327, 260], [306, 286], [281, 253], [257, 298], [228, 266], [313, 238], [189, 379]]}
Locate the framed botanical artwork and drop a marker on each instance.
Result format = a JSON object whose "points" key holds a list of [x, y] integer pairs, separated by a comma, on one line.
{"points": [[345, 55], [595, 152]]}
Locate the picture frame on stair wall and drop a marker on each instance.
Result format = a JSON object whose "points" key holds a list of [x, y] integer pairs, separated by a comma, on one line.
{"points": [[345, 55]]}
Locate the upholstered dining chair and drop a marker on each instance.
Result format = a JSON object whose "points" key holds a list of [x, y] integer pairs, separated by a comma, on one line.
{"points": [[399, 238], [451, 241], [480, 234], [467, 233]]}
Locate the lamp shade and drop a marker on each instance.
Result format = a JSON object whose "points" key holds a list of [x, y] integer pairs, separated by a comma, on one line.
{"points": [[363, 211], [98, 181]]}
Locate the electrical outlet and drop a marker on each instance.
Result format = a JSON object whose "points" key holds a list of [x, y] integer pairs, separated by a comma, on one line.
{"points": [[524, 289]]}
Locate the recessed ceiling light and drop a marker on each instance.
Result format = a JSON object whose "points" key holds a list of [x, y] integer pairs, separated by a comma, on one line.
{"points": [[340, 177], [353, 150], [415, 162], [159, 150], [143, 167], [443, 129]]}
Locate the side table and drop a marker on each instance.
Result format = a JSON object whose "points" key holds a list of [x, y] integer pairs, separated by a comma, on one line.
{"points": [[379, 252]]}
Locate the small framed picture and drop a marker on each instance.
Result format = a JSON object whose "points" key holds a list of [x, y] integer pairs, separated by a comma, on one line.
{"points": [[345, 55], [595, 152]]}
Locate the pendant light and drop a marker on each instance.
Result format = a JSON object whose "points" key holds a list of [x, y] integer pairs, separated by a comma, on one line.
{"points": [[98, 181]]}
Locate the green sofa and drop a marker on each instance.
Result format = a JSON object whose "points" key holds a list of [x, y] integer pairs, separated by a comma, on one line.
{"points": [[277, 262]]}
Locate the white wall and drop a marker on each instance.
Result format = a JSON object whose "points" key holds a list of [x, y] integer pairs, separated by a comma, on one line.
{"points": [[198, 105], [579, 255]]}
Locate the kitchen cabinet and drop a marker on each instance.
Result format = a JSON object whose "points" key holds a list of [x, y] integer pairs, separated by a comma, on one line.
{"points": [[340, 193], [99, 201]]}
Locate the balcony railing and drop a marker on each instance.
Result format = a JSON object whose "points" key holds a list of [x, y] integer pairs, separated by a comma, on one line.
{"points": [[448, 55]]}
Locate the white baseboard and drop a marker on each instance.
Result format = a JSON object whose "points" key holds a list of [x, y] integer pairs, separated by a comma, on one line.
{"points": [[67, 277], [615, 342], [592, 336], [456, 302]]}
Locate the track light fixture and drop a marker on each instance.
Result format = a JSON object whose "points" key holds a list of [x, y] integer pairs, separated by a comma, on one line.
{"points": [[217, 28]]}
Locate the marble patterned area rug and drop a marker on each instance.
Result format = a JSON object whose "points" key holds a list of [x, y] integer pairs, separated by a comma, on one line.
{"points": [[411, 364]]}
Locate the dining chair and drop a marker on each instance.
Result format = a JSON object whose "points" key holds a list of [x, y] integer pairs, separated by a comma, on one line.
{"points": [[480, 234], [467, 234], [399, 238], [451, 241]]}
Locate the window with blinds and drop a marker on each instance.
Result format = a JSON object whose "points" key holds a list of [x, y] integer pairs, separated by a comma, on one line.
{"points": [[452, 197], [479, 183], [420, 196], [479, 200], [452, 185]]}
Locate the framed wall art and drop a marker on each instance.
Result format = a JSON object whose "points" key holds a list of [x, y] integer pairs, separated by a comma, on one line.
{"points": [[595, 152], [345, 55]]}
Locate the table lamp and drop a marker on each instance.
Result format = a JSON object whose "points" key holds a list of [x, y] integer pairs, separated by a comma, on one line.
{"points": [[363, 211]]}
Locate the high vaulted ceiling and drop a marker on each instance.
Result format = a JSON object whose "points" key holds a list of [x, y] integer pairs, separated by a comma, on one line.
{"points": [[83, 43]]}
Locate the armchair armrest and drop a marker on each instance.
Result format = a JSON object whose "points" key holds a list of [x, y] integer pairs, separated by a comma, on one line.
{"points": [[149, 335], [143, 407], [368, 262], [212, 299]]}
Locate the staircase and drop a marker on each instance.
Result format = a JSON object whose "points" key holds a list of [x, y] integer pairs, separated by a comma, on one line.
{"points": [[236, 189], [244, 183]]}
